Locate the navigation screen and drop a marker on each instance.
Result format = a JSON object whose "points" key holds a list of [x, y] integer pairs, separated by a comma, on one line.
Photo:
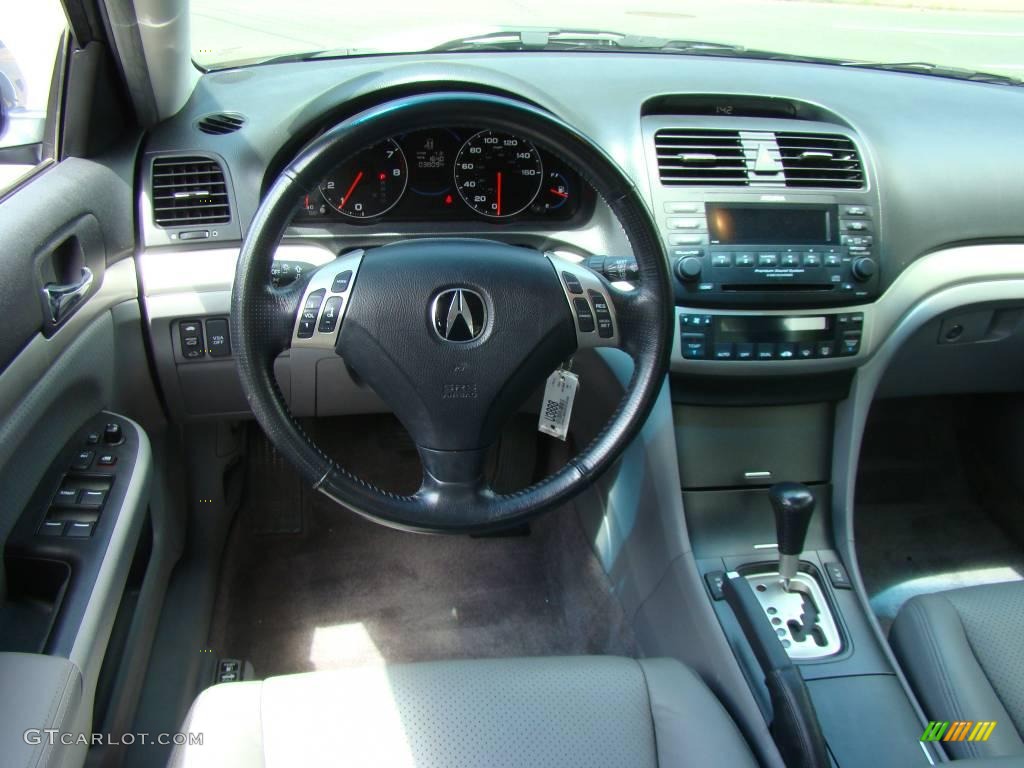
{"points": [[771, 224]]}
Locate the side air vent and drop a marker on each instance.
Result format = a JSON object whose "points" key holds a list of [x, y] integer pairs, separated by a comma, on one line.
{"points": [[700, 157], [220, 123], [189, 190], [820, 160]]}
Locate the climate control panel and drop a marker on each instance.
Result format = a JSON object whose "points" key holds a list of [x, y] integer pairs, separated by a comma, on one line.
{"points": [[759, 338]]}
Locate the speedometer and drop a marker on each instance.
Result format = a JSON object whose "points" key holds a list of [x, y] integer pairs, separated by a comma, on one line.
{"points": [[498, 174]]}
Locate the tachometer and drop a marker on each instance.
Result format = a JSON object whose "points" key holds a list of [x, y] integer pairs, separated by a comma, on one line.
{"points": [[498, 174], [369, 184]]}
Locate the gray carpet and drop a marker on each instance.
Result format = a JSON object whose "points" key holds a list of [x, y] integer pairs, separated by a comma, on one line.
{"points": [[346, 591], [922, 524]]}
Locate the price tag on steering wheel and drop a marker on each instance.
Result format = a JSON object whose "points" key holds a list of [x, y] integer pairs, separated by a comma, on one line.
{"points": [[556, 409]]}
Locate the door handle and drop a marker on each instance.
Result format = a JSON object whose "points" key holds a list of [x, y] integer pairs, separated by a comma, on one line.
{"points": [[60, 300]]}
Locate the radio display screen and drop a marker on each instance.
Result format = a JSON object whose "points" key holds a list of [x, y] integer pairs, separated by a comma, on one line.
{"points": [[768, 224]]}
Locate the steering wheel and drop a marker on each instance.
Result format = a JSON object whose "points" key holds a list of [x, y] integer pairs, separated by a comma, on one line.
{"points": [[453, 334]]}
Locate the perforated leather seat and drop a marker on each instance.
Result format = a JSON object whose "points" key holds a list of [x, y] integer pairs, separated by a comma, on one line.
{"points": [[584, 712], [963, 651]]}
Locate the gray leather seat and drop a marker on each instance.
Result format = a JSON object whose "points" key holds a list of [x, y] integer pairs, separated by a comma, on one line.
{"points": [[565, 712], [963, 651]]}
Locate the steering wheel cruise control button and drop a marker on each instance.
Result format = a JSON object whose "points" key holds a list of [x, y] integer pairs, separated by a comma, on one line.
{"points": [[332, 311], [583, 314], [310, 312], [603, 315]]}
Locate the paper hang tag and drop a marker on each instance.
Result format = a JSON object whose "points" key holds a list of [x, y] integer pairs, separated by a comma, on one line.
{"points": [[556, 410]]}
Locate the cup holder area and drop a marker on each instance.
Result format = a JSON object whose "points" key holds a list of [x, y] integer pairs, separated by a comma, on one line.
{"points": [[35, 590]]}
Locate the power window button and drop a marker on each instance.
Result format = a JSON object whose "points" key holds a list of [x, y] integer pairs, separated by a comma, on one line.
{"points": [[92, 499], [52, 528], [78, 530], [66, 496]]}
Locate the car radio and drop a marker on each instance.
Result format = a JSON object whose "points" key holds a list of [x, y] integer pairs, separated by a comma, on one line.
{"points": [[753, 251]]}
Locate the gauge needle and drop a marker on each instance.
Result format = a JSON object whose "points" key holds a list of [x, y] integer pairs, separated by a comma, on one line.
{"points": [[558, 192], [351, 189], [499, 193]]}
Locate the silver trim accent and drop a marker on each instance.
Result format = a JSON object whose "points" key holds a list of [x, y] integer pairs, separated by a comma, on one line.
{"points": [[457, 308], [60, 300], [590, 282], [766, 546], [787, 605], [322, 279], [757, 475]]}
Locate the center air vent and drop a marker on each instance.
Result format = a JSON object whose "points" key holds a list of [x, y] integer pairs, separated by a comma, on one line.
{"points": [[221, 122], [189, 190], [820, 160], [724, 158], [705, 157]]}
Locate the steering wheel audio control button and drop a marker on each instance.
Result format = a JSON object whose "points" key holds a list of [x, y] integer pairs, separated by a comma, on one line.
{"points": [[332, 311], [584, 316], [310, 312], [340, 284]]}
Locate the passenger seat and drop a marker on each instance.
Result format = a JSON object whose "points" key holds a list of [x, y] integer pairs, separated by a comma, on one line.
{"points": [[963, 651]]}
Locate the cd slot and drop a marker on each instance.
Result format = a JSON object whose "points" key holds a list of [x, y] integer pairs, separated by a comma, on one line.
{"points": [[778, 287]]}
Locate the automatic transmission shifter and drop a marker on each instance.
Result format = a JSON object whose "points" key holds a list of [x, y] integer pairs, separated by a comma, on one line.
{"points": [[793, 504]]}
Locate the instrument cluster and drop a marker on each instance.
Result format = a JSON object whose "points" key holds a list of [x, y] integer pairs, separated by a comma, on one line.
{"points": [[448, 174]]}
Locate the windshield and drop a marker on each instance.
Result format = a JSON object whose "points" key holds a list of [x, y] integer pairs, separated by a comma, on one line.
{"points": [[978, 35]]}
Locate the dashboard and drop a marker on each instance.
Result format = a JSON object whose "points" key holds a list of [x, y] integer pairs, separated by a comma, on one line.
{"points": [[779, 271], [452, 175]]}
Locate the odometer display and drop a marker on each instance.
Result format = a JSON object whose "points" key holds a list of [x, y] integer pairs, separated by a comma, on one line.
{"points": [[498, 174], [369, 184]]}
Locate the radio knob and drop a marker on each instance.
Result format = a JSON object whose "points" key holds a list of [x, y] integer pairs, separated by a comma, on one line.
{"points": [[688, 268], [864, 268]]}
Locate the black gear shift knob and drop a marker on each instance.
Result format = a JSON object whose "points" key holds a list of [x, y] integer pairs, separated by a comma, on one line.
{"points": [[793, 504]]}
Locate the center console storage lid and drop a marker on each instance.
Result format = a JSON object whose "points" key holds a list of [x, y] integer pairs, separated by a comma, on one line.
{"points": [[41, 692]]}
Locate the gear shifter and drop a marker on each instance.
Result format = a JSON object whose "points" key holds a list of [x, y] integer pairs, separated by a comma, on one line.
{"points": [[793, 504]]}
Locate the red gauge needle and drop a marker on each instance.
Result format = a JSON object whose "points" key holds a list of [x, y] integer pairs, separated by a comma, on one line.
{"points": [[351, 189], [499, 194], [558, 192]]}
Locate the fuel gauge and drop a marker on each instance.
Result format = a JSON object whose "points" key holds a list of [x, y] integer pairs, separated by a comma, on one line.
{"points": [[556, 191]]}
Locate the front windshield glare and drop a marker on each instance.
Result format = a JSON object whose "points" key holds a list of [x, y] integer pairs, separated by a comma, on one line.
{"points": [[978, 35]]}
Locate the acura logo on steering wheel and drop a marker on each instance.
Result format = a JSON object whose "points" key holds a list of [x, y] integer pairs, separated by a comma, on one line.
{"points": [[459, 315]]}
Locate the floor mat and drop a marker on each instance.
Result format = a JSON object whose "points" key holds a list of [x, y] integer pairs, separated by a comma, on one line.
{"points": [[346, 591], [921, 525]]}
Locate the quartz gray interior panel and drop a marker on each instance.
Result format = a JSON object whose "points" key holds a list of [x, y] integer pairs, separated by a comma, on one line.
{"points": [[731, 447]]}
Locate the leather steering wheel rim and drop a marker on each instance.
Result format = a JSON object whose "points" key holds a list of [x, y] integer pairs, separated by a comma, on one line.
{"points": [[263, 317]]}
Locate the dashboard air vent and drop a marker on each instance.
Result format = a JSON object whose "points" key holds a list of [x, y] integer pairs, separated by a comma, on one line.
{"points": [[189, 190], [221, 122], [689, 157], [820, 160]]}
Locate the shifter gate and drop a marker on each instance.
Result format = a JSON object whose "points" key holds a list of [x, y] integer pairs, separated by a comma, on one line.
{"points": [[801, 617]]}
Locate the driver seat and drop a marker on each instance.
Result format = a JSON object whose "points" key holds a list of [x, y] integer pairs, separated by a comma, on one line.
{"points": [[590, 711]]}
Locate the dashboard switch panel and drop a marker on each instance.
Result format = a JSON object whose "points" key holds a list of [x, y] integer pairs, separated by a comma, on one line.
{"points": [[192, 344]]}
